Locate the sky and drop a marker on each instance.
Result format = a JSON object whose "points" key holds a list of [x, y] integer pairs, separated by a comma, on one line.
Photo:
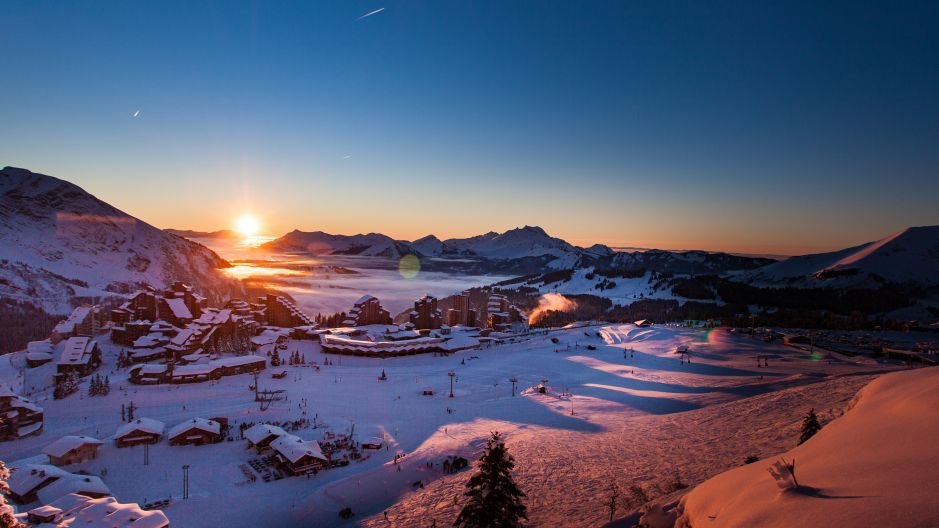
{"points": [[757, 127]]}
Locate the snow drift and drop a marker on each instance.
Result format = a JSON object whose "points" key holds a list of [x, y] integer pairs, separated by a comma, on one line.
{"points": [[876, 466]]}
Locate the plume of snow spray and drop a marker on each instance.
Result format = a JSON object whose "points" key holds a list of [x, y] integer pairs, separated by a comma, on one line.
{"points": [[550, 302]]}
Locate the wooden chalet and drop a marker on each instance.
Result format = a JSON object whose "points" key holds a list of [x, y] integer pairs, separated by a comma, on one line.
{"points": [[260, 436], [196, 431], [72, 450], [140, 431], [297, 456]]}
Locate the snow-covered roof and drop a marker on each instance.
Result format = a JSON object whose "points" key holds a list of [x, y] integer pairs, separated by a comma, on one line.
{"points": [[294, 448], [194, 369], [259, 432], [202, 424], [214, 316], [25, 404], [106, 512], [147, 425], [143, 353], [78, 315], [460, 343], [72, 483], [40, 347], [182, 337], [69, 443], [149, 340], [178, 307], [61, 505], [25, 478], [76, 350], [364, 299], [149, 369], [237, 361]]}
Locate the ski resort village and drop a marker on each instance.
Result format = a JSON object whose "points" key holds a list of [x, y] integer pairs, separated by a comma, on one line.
{"points": [[487, 264], [165, 410], [357, 380]]}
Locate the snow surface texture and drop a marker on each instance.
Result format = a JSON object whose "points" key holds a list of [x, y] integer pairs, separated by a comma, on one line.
{"points": [[637, 420], [59, 242], [876, 466]]}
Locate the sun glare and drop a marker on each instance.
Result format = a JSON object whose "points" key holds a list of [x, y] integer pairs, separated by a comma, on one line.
{"points": [[247, 225]]}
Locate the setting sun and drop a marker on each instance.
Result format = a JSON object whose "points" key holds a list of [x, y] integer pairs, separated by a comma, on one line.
{"points": [[247, 225]]}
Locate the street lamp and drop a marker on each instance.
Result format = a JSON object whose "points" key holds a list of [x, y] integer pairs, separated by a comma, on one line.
{"points": [[186, 481], [451, 374]]}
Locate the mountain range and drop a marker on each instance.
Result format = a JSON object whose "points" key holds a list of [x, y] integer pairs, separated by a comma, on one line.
{"points": [[60, 242], [522, 250]]}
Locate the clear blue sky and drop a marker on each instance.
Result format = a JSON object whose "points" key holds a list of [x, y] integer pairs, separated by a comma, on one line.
{"points": [[776, 127]]}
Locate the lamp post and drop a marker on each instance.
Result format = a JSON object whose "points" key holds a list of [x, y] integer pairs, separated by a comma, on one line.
{"points": [[451, 374], [514, 380], [186, 481]]}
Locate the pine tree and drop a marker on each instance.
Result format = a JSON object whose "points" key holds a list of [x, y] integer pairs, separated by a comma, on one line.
{"points": [[810, 426], [65, 385], [494, 500]]}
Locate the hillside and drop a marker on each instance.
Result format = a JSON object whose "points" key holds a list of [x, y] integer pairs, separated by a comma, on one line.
{"points": [[189, 233], [875, 466], [908, 256], [320, 243], [60, 242]]}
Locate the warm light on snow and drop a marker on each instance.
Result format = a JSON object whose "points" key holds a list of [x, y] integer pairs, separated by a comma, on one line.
{"points": [[247, 225]]}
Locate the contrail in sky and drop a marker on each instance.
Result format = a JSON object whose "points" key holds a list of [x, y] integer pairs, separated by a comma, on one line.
{"points": [[379, 10], [137, 113]]}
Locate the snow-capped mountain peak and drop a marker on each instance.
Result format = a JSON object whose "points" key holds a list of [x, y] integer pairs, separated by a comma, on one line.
{"points": [[908, 256], [59, 242]]}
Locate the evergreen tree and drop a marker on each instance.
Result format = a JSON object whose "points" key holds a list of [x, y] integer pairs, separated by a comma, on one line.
{"points": [[494, 500], [810, 426], [65, 385]]}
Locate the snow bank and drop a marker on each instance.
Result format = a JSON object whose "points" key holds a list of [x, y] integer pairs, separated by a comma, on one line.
{"points": [[875, 466]]}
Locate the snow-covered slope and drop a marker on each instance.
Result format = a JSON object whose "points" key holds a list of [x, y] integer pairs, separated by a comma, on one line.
{"points": [[911, 255], [521, 250], [521, 242], [875, 466], [57, 242], [430, 245], [320, 243], [189, 233]]}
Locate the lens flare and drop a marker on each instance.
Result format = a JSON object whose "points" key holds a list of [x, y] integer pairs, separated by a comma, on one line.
{"points": [[409, 266]]}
